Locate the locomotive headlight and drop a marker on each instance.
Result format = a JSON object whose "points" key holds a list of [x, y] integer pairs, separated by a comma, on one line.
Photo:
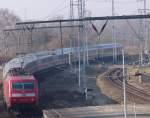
{"points": [[32, 99]]}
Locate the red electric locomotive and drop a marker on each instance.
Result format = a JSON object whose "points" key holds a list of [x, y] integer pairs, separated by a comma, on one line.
{"points": [[20, 90]]}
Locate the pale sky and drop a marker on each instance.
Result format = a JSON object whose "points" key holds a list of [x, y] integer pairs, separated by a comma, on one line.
{"points": [[46, 9]]}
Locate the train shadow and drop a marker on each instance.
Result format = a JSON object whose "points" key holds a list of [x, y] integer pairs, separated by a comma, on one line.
{"points": [[29, 113], [54, 96], [62, 99]]}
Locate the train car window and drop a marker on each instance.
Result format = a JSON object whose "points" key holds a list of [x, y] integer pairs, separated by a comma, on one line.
{"points": [[29, 85], [23, 85], [17, 86]]}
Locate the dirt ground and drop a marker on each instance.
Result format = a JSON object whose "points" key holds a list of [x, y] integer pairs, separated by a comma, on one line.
{"points": [[59, 88], [93, 72], [109, 90], [116, 94]]}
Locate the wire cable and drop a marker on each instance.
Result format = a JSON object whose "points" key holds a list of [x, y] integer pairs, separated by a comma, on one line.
{"points": [[57, 9]]}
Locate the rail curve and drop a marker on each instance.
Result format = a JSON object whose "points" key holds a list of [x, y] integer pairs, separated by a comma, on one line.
{"points": [[116, 78]]}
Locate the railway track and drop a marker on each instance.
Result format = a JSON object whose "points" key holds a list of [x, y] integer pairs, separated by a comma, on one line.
{"points": [[116, 78], [26, 113]]}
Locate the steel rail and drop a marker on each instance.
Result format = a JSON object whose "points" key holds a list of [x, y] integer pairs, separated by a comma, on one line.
{"points": [[130, 89]]}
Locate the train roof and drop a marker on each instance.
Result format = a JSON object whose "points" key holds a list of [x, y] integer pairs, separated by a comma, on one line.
{"points": [[21, 78], [22, 61], [90, 47]]}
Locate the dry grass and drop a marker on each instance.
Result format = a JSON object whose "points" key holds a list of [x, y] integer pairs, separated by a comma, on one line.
{"points": [[109, 90]]}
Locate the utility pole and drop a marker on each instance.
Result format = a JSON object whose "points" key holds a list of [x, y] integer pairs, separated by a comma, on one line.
{"points": [[81, 41], [87, 14], [113, 33], [5, 43], [72, 31], [124, 86], [80, 6], [61, 40], [86, 39], [146, 28], [143, 31]]}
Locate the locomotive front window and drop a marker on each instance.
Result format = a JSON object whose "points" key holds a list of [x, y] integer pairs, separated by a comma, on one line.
{"points": [[17, 86], [29, 85], [23, 85]]}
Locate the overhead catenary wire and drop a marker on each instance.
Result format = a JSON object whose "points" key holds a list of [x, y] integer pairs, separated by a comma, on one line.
{"points": [[132, 28], [122, 17], [109, 1], [102, 28], [57, 9], [99, 33]]}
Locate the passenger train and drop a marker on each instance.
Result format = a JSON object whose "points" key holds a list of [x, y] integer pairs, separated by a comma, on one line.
{"points": [[19, 85]]}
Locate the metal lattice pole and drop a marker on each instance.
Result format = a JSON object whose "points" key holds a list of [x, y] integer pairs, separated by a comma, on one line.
{"points": [[113, 33], [143, 31], [80, 6]]}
